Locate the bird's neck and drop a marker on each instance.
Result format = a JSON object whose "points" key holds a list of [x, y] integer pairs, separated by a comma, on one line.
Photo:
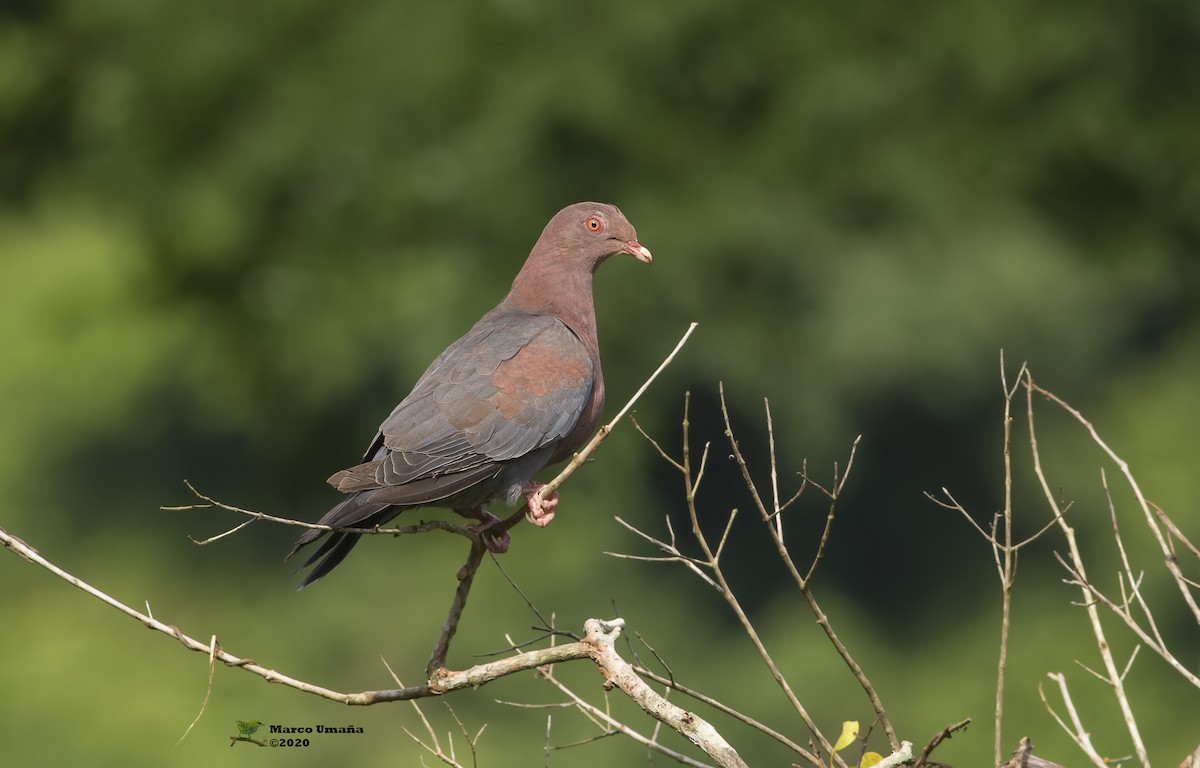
{"points": [[565, 295]]}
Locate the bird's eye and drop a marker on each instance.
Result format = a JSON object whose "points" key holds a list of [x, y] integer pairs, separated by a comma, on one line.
{"points": [[594, 224]]}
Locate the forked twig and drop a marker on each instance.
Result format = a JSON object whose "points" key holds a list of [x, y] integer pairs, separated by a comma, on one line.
{"points": [[1075, 730], [1169, 559], [1112, 675], [802, 584], [708, 566], [210, 502], [942, 735]]}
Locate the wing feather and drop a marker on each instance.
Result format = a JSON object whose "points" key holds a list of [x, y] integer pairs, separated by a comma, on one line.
{"points": [[510, 386]]}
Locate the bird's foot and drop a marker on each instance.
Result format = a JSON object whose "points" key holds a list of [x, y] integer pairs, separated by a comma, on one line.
{"points": [[539, 513], [495, 542]]}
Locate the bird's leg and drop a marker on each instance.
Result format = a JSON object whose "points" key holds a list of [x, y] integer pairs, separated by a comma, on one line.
{"points": [[497, 543], [539, 514]]}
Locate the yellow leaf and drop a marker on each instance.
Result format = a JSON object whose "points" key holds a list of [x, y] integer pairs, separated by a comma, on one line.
{"points": [[849, 731], [870, 759]]}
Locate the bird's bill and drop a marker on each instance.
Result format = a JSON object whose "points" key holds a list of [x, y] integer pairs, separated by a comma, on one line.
{"points": [[638, 251]]}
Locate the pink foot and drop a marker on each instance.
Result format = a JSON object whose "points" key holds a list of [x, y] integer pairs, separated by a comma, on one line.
{"points": [[539, 514], [495, 542]]}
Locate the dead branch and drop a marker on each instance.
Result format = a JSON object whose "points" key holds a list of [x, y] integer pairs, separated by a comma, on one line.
{"points": [[707, 565], [1075, 729], [598, 645], [1112, 675], [942, 735], [999, 537], [1152, 519], [803, 582]]}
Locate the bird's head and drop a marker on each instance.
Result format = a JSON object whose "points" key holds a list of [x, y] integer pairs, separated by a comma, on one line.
{"points": [[588, 233], [557, 276]]}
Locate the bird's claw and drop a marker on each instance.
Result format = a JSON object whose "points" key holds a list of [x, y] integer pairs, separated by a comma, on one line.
{"points": [[497, 543], [539, 513]]}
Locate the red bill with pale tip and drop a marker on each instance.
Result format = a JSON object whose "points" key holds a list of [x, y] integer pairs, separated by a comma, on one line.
{"points": [[638, 251]]}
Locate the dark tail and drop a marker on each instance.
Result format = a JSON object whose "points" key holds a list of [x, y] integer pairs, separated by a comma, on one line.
{"points": [[354, 512]]}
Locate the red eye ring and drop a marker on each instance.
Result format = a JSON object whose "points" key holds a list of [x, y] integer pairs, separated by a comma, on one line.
{"points": [[594, 224]]}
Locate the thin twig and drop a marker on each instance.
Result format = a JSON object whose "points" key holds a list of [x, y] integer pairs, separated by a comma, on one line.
{"points": [[528, 603], [210, 502], [803, 587], [942, 735], [728, 594], [212, 668], [1102, 644], [434, 747], [1169, 560], [1098, 597], [1173, 529], [666, 457], [1075, 730], [1006, 557], [829, 515], [610, 725], [673, 554], [587, 450]]}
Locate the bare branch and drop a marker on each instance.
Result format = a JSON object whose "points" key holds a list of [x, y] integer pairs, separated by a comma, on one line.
{"points": [[466, 577], [1173, 529], [730, 711], [725, 534], [775, 507], [731, 598], [611, 725], [1006, 561], [598, 645], [942, 735], [833, 498], [953, 504], [1169, 560], [1102, 644], [1075, 730], [434, 746], [1079, 580], [1134, 581], [802, 585], [548, 624], [673, 554], [212, 669], [633, 420], [601, 637], [210, 502]]}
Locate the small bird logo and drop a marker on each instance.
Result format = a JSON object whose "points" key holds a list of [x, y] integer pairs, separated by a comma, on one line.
{"points": [[248, 729]]}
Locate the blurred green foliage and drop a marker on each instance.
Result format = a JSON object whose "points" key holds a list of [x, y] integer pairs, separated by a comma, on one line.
{"points": [[232, 235]]}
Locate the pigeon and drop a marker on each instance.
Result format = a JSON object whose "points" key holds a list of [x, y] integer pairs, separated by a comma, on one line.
{"points": [[519, 391]]}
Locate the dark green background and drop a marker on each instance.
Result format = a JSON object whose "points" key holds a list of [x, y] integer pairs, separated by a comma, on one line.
{"points": [[232, 235]]}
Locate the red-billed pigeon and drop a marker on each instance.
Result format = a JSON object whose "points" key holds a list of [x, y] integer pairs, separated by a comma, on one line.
{"points": [[521, 390]]}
